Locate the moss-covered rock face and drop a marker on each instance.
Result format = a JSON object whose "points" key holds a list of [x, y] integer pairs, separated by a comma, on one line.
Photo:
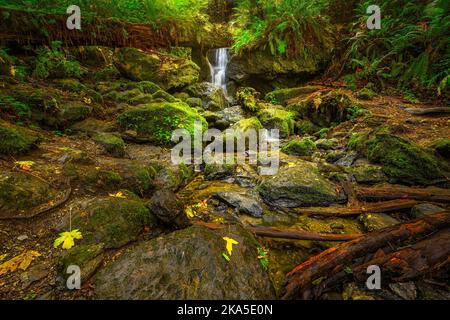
{"points": [[157, 121], [242, 126], [324, 111], [300, 147], [276, 118], [442, 147], [20, 191], [167, 71], [281, 96], [122, 173], [248, 98], [87, 257], [112, 143], [191, 257], [16, 140], [306, 127], [299, 185], [403, 161], [113, 221]]}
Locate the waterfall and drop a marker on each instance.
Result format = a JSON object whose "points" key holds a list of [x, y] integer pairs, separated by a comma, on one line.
{"points": [[219, 68]]}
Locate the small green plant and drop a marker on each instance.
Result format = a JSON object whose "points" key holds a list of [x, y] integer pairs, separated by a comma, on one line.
{"points": [[53, 62]]}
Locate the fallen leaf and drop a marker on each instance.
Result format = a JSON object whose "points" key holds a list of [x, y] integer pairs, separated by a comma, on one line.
{"points": [[229, 245], [25, 165], [67, 239], [22, 261], [117, 195]]}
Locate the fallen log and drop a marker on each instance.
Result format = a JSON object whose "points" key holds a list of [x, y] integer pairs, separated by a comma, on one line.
{"points": [[431, 194], [300, 280], [268, 232], [425, 257], [379, 207], [424, 111]]}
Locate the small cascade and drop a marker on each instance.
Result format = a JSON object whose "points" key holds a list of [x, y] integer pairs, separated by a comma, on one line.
{"points": [[219, 67]]}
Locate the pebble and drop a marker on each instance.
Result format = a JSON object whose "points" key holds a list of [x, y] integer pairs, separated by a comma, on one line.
{"points": [[22, 237]]}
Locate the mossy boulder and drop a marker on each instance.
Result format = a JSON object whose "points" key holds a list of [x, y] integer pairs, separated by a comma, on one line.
{"points": [[442, 147], [112, 143], [167, 71], [299, 185], [403, 161], [244, 125], [281, 96], [192, 257], [376, 221], [300, 147], [219, 171], [157, 121], [113, 221], [16, 140], [306, 127], [277, 118], [324, 110], [69, 112], [87, 257], [368, 174], [20, 191]]}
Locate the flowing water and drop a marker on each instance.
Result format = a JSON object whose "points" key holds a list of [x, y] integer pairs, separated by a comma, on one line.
{"points": [[219, 67]]}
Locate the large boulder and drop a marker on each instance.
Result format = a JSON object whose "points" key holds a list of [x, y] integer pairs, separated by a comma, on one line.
{"points": [[113, 221], [277, 118], [165, 205], [187, 264], [156, 121], [299, 185], [166, 71], [20, 191]]}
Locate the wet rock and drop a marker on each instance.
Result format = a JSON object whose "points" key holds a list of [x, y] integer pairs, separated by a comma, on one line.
{"points": [[347, 159], [166, 71], [233, 114], [369, 174], [405, 290], [219, 171], [244, 203], [306, 127], [74, 156], [213, 97], [376, 221], [194, 102], [112, 143], [172, 177], [22, 237], [91, 126], [157, 121], [16, 140], [277, 118], [326, 144], [187, 264], [299, 185], [425, 209], [300, 147], [68, 113], [20, 191], [113, 221], [165, 205], [353, 292]]}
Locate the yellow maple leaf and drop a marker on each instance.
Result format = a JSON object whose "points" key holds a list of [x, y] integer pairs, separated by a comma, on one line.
{"points": [[189, 212], [12, 71], [117, 195], [22, 261], [25, 165], [87, 100], [229, 244], [67, 239]]}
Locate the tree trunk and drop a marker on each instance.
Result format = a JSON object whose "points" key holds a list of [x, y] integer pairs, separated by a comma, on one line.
{"points": [[396, 192]]}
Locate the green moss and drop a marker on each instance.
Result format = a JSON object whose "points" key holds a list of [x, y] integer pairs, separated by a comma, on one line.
{"points": [[219, 171], [19, 191], [442, 147], [158, 120], [87, 257], [281, 96], [248, 98], [274, 118], [72, 85], [306, 127], [323, 133], [366, 94], [113, 221], [15, 140], [403, 161], [112, 143], [107, 73], [355, 141], [355, 111], [300, 147], [160, 94]]}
